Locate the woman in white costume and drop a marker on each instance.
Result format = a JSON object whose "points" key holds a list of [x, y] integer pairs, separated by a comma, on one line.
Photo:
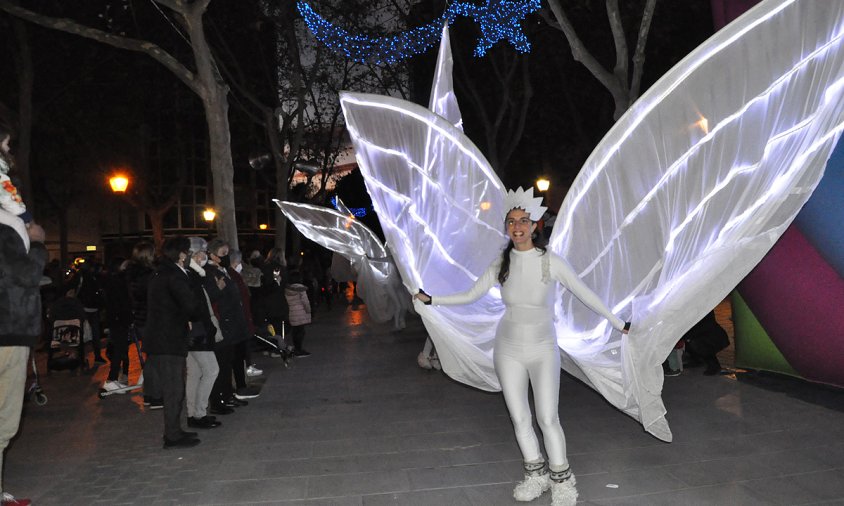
{"points": [[526, 351]]}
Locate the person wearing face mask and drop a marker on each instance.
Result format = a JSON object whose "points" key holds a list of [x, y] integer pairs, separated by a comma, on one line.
{"points": [[228, 308], [241, 349], [170, 309], [202, 368]]}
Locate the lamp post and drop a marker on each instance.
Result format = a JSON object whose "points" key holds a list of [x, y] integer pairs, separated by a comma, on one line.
{"points": [[119, 183], [208, 215]]}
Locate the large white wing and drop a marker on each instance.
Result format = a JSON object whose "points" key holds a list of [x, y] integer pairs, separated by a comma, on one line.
{"points": [[691, 188], [439, 204], [342, 233]]}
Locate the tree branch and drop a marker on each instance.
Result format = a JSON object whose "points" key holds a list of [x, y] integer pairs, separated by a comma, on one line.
{"points": [[639, 54], [621, 65], [70, 26]]}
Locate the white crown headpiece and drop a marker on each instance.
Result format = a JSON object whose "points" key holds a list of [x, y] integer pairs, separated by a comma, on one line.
{"points": [[526, 201]]}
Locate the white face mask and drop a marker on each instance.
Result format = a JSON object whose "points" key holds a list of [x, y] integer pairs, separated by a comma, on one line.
{"points": [[238, 268], [203, 262]]}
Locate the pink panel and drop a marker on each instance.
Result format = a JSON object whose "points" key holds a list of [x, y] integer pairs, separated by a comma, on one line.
{"points": [[799, 300]]}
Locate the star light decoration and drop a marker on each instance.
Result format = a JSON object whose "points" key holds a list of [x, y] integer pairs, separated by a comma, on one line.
{"points": [[498, 20]]}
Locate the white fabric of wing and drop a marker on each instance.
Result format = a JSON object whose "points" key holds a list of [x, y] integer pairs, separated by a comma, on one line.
{"points": [[666, 218], [441, 210], [443, 100], [341, 233]]}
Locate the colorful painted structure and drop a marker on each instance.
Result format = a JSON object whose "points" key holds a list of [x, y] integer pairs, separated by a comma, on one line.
{"points": [[789, 311]]}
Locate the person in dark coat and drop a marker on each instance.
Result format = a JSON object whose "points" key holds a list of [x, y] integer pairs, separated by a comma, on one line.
{"points": [[228, 309], [270, 305], [242, 356], [118, 319], [703, 342], [171, 305], [22, 260], [138, 273]]}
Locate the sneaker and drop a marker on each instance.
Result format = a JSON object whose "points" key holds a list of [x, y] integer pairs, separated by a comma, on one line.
{"points": [[234, 402], [564, 493], [253, 371], [246, 393], [123, 378], [182, 442], [667, 371], [9, 500], [301, 353], [532, 487], [156, 403], [147, 400], [110, 386]]}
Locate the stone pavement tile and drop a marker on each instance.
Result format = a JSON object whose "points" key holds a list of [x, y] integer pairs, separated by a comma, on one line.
{"points": [[329, 501], [500, 494], [357, 484], [448, 496], [800, 488], [243, 491], [732, 494], [627, 459], [356, 446], [712, 472], [485, 453], [796, 460], [455, 476], [272, 449], [630, 483]]}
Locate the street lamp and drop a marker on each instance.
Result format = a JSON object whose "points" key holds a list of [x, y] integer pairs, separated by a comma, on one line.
{"points": [[208, 215], [543, 184], [119, 183]]}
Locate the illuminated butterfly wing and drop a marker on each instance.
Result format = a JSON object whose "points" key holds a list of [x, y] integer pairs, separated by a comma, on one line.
{"points": [[439, 204], [341, 233], [692, 186]]}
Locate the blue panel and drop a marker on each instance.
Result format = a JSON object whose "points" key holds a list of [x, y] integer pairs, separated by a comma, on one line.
{"points": [[822, 219]]}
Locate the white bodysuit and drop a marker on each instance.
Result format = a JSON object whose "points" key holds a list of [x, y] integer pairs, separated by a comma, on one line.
{"points": [[526, 349]]}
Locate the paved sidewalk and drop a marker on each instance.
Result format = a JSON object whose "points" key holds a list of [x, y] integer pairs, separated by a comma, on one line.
{"points": [[358, 423]]}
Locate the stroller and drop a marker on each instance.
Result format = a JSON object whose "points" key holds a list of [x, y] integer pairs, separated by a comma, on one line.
{"points": [[67, 349], [274, 344]]}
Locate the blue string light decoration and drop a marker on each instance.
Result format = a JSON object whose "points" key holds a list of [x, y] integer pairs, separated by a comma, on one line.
{"points": [[358, 212], [498, 20]]}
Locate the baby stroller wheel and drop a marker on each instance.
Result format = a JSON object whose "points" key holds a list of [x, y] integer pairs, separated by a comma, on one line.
{"points": [[40, 398]]}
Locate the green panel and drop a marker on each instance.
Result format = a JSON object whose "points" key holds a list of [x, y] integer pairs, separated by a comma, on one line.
{"points": [[754, 349]]}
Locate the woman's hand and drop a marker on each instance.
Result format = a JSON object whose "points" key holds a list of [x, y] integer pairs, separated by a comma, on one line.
{"points": [[422, 296], [626, 329]]}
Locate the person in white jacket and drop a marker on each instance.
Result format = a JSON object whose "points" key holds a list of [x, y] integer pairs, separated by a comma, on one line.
{"points": [[526, 351]]}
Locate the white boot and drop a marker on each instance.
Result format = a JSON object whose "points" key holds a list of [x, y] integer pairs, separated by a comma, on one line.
{"points": [[563, 490], [423, 361], [537, 481]]}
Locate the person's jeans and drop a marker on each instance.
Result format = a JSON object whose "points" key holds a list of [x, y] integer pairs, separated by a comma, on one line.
{"points": [[119, 337], [12, 386], [202, 372], [170, 370], [222, 390]]}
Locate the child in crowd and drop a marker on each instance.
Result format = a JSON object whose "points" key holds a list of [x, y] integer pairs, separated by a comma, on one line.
{"points": [[300, 311]]}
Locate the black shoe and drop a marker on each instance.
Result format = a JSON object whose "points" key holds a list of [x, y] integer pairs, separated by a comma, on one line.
{"points": [[667, 371], [182, 442], [156, 403], [235, 402], [147, 400], [301, 353], [222, 409], [185, 433], [202, 423]]}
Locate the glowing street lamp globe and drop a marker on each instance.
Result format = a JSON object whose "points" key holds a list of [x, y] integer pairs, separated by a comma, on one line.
{"points": [[119, 183], [209, 215], [543, 184]]}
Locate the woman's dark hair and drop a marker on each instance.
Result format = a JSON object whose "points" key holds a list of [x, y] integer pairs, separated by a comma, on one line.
{"points": [[539, 243], [144, 253], [174, 246]]}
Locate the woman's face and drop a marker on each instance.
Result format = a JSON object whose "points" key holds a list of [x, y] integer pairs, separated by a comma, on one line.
{"points": [[520, 228], [4, 144]]}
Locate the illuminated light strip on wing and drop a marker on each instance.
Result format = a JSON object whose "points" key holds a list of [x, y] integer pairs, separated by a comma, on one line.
{"points": [[674, 167], [443, 191], [774, 140], [410, 205], [459, 142], [654, 103], [359, 228], [774, 189]]}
